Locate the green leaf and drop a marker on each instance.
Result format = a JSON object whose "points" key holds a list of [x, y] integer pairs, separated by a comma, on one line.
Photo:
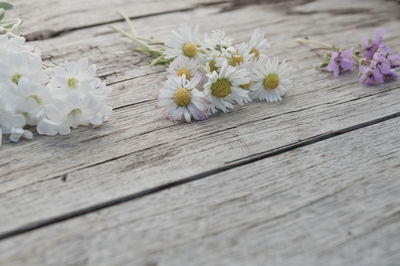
{"points": [[1, 15], [324, 64], [326, 61], [8, 26], [6, 6]]}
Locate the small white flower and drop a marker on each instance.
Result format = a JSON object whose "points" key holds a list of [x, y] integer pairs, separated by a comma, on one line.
{"points": [[23, 64], [217, 40], [8, 45], [79, 99], [53, 120], [73, 111], [54, 99], [257, 44], [183, 43], [184, 66], [10, 122], [181, 100], [270, 79], [32, 97], [74, 76], [211, 60], [235, 56], [224, 87]]}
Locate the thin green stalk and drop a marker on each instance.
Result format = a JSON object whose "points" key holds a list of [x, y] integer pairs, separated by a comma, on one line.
{"points": [[305, 41], [128, 20], [205, 69], [127, 35], [157, 60]]}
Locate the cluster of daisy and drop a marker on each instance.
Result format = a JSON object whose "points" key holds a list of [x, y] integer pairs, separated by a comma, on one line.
{"points": [[52, 99], [213, 74], [377, 62]]}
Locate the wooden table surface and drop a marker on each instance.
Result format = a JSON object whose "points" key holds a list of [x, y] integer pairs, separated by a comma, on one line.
{"points": [[312, 180]]}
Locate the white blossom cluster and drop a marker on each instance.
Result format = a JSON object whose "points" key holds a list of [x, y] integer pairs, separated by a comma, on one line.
{"points": [[214, 74], [51, 100]]}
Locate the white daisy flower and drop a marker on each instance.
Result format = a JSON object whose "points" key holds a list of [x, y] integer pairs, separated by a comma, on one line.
{"points": [[248, 66], [211, 60], [224, 87], [181, 100], [270, 79], [258, 43], [184, 66], [217, 40], [183, 43], [235, 56]]}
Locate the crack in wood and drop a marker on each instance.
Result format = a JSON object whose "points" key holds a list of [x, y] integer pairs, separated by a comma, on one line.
{"points": [[48, 34], [248, 160]]}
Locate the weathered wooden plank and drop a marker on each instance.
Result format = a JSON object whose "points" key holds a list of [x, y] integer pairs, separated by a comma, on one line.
{"points": [[331, 203], [309, 110], [147, 160], [50, 18]]}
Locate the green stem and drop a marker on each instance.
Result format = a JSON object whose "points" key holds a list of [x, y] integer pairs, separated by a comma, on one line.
{"points": [[157, 60], [128, 20], [359, 60], [306, 41], [205, 69], [129, 36]]}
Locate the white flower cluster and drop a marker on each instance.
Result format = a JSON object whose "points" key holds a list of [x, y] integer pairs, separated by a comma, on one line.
{"points": [[52, 99], [213, 74]]}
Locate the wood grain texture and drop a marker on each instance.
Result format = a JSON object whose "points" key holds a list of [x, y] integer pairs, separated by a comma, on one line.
{"points": [[50, 18], [138, 149], [334, 202]]}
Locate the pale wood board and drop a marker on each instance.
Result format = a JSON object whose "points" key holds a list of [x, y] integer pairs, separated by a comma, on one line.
{"points": [[334, 202], [149, 160], [50, 18]]}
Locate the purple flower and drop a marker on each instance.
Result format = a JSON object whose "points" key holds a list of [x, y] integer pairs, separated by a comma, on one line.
{"points": [[370, 47], [382, 63], [341, 61], [393, 59], [370, 75]]}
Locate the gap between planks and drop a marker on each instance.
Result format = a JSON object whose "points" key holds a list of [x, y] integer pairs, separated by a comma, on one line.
{"points": [[39, 37]]}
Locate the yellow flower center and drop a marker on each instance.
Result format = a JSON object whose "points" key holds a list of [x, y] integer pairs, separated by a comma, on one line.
{"points": [[236, 60], [271, 82], [184, 71], [212, 65], [190, 49], [72, 83], [246, 86], [16, 78], [256, 53], [36, 98], [221, 88], [182, 97]]}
